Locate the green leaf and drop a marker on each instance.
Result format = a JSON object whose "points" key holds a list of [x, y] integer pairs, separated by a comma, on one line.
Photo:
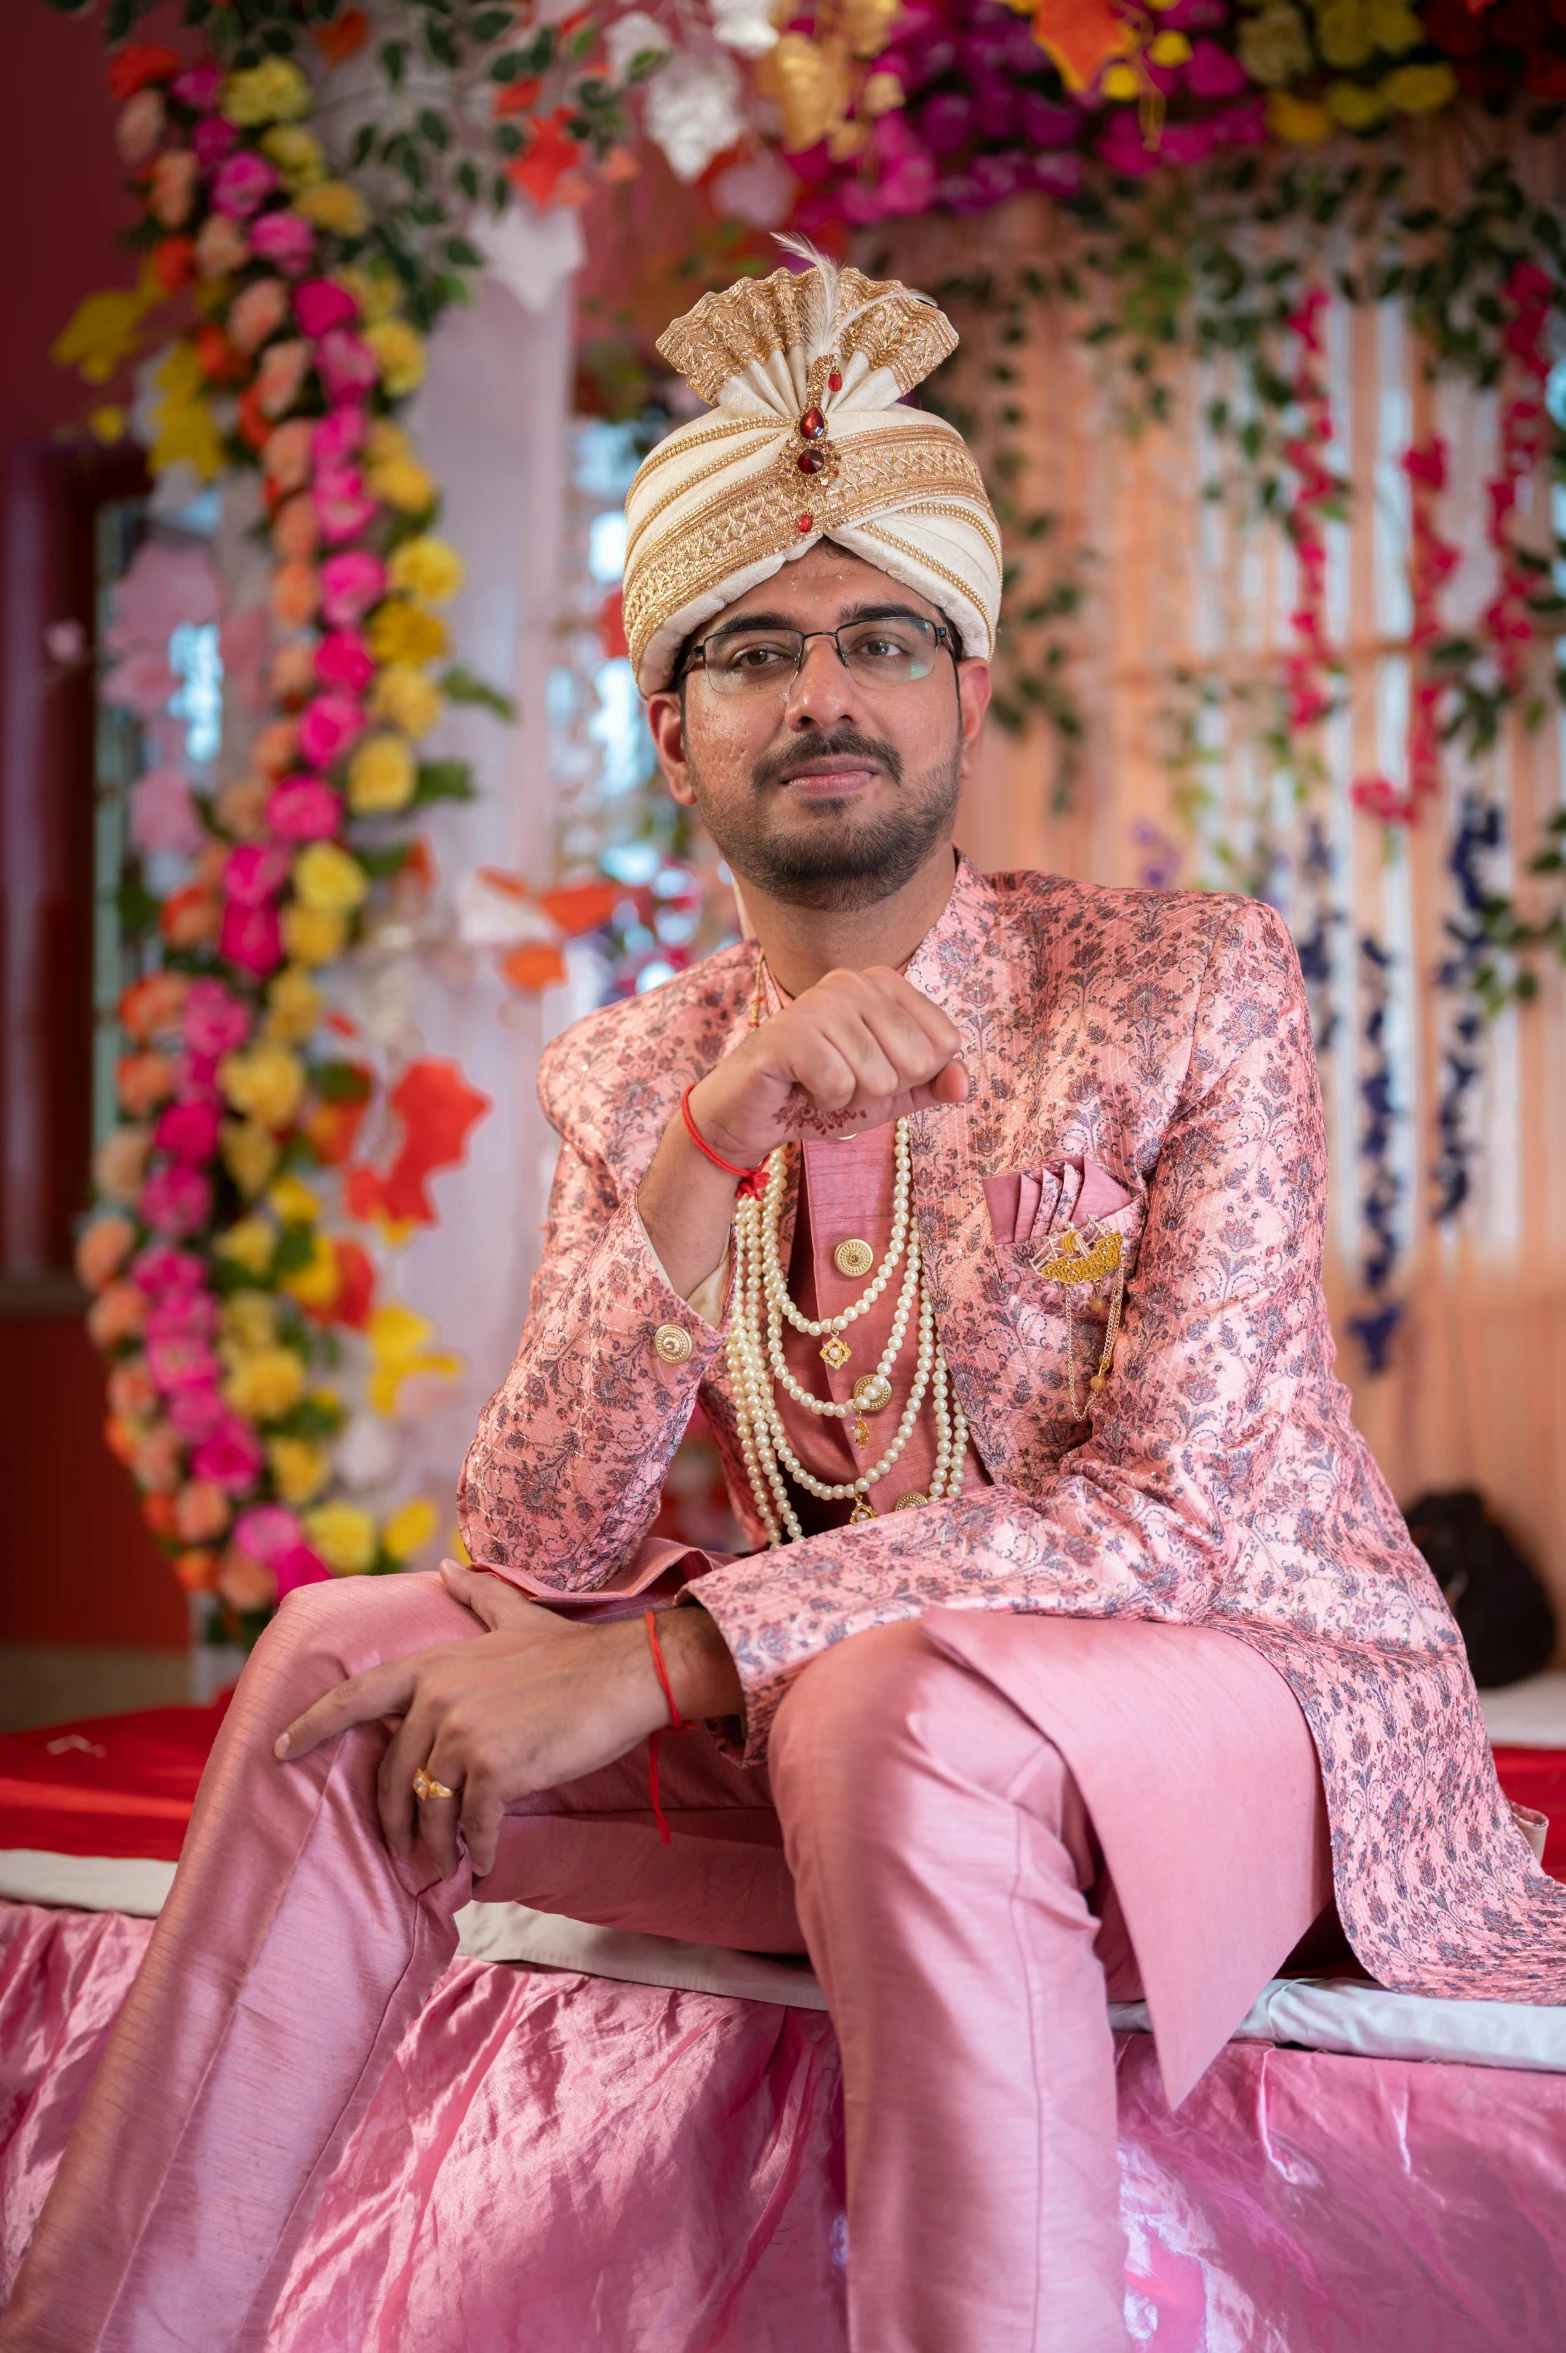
{"points": [[442, 48], [135, 905], [444, 780], [341, 1082], [394, 60], [295, 1249], [468, 179], [363, 143], [462, 254], [460, 685], [381, 864], [490, 24], [435, 128]]}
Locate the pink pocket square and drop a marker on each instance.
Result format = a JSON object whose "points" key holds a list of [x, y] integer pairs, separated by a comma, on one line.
{"points": [[1025, 1204]]}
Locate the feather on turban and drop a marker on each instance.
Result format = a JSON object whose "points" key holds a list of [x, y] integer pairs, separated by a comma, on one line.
{"points": [[807, 441]]}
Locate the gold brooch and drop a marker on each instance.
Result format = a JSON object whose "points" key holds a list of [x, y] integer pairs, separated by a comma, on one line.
{"points": [[1075, 1260], [1078, 1262]]}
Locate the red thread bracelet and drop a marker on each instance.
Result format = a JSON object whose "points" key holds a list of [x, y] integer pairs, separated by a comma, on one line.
{"points": [[677, 1723], [751, 1179]]}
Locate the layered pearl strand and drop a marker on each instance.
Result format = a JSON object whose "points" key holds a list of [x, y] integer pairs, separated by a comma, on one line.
{"points": [[758, 1368]]}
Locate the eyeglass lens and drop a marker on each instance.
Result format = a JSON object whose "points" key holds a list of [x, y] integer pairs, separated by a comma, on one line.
{"points": [[890, 652]]}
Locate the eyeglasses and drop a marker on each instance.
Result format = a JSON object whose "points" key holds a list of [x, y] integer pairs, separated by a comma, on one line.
{"points": [[893, 651]]}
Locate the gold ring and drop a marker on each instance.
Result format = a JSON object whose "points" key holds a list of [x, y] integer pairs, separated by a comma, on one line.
{"points": [[425, 1785]]}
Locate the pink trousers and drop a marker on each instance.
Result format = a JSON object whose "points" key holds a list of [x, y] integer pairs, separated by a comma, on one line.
{"points": [[915, 1833]]}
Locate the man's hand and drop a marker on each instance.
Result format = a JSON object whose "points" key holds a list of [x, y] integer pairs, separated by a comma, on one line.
{"points": [[860, 1047], [534, 1702]]}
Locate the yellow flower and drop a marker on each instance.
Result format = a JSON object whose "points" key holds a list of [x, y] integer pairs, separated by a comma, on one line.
{"points": [[274, 91], [386, 442], [328, 879], [312, 935], [265, 1386], [1357, 108], [1419, 89], [399, 349], [293, 1202], [404, 484], [318, 1281], [264, 1084], [1299, 120], [343, 1535], [410, 1529], [1395, 26], [399, 1345], [334, 206], [407, 698], [426, 567], [249, 1321], [299, 1470], [107, 424], [1120, 81], [182, 420], [293, 1006], [250, 1152], [381, 775], [377, 292], [298, 154], [1169, 49], [1343, 33], [400, 632], [250, 1244], [1274, 45]]}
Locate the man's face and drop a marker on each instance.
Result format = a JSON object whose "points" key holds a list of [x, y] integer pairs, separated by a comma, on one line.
{"points": [[823, 788]]}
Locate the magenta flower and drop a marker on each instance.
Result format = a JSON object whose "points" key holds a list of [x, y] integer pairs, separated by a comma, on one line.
{"points": [[214, 142], [231, 1457], [199, 86], [244, 181], [284, 240], [342, 507], [175, 1200], [251, 938], [254, 873], [1213, 72], [198, 1411], [347, 367], [188, 1130], [179, 1361], [267, 1531], [158, 1268], [339, 435], [303, 809], [350, 584], [299, 1566], [320, 305], [327, 727], [344, 659], [214, 1020], [182, 1315]]}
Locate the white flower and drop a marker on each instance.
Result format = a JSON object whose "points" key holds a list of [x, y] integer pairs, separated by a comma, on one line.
{"points": [[692, 111], [633, 36], [745, 25]]}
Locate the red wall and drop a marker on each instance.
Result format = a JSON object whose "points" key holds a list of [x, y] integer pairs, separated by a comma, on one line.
{"points": [[76, 1564]]}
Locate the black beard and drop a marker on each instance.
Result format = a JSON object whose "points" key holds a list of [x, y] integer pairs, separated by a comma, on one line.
{"points": [[834, 872]]}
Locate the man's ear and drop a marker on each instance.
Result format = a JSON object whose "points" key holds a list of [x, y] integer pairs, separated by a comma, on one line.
{"points": [[666, 722], [973, 697]]}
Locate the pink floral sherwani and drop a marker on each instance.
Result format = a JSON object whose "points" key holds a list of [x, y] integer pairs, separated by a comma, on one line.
{"points": [[1217, 1480]]}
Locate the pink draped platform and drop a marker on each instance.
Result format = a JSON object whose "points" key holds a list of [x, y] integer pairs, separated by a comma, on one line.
{"points": [[572, 2166]]}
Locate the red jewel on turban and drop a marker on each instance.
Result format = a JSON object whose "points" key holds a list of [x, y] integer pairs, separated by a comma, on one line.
{"points": [[804, 522], [812, 425], [834, 382], [810, 461]]}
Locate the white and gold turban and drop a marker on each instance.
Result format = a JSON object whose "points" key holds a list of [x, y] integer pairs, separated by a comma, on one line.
{"points": [[807, 440]]}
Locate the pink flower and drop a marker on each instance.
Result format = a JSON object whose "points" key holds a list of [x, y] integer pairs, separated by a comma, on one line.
{"points": [[286, 456], [284, 240], [339, 435], [348, 368], [171, 189], [197, 1411], [300, 1566], [266, 1531], [256, 313], [341, 504], [159, 1268], [327, 727], [254, 873], [140, 680], [181, 1360], [139, 126], [1213, 71], [214, 142], [214, 1021], [231, 1458], [155, 1463], [243, 183], [344, 659], [303, 809], [320, 305], [163, 815], [282, 370], [175, 1200], [189, 1313], [200, 85], [251, 938], [188, 1130], [350, 584]]}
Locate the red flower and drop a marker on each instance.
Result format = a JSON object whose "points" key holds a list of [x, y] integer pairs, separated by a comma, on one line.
{"points": [[220, 362], [342, 38], [255, 426], [143, 62], [549, 161], [174, 262], [518, 97]]}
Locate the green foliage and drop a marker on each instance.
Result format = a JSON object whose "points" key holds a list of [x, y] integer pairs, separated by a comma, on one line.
{"points": [[460, 685], [443, 780]]}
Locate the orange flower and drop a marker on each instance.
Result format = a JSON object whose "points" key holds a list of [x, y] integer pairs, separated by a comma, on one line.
{"points": [[201, 1511], [245, 1584], [196, 1570], [240, 808], [118, 1313], [133, 1395], [155, 1467], [153, 1003], [103, 1249], [157, 1509], [293, 671], [518, 97], [174, 262], [294, 594], [295, 531], [142, 1082], [189, 918], [122, 1439], [287, 455], [274, 748], [255, 426], [344, 37], [220, 362], [171, 187]]}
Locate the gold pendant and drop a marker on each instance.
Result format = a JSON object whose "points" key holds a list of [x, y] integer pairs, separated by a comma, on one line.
{"points": [[861, 1511], [836, 1351], [1076, 1262], [872, 1392], [861, 1430]]}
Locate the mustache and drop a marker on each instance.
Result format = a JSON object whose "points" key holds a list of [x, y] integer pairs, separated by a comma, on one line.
{"points": [[774, 766]]}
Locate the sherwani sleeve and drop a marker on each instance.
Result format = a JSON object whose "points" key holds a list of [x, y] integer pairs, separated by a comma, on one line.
{"points": [[1147, 1517], [563, 1479]]}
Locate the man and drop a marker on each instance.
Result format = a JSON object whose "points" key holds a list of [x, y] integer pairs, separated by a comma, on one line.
{"points": [[985, 1218]]}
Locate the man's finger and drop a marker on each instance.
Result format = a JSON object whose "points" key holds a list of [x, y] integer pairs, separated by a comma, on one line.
{"points": [[489, 1598], [381, 1691], [405, 1752]]}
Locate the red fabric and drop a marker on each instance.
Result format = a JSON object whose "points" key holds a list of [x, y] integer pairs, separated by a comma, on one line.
{"points": [[1537, 1777], [112, 1785]]}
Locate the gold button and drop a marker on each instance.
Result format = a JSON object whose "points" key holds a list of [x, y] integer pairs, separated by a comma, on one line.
{"points": [[872, 1392], [853, 1258], [672, 1342], [911, 1501]]}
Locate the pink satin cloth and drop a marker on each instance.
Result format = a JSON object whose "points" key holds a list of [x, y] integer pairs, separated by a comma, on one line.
{"points": [[915, 1832], [575, 2167]]}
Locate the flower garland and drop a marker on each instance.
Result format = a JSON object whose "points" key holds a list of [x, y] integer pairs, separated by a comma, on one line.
{"points": [[1375, 1326], [225, 1284]]}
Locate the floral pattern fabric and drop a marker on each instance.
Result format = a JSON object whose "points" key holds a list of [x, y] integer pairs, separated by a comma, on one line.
{"points": [[1217, 1479]]}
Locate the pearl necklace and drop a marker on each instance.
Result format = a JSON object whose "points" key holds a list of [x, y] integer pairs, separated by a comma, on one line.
{"points": [[758, 1369]]}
